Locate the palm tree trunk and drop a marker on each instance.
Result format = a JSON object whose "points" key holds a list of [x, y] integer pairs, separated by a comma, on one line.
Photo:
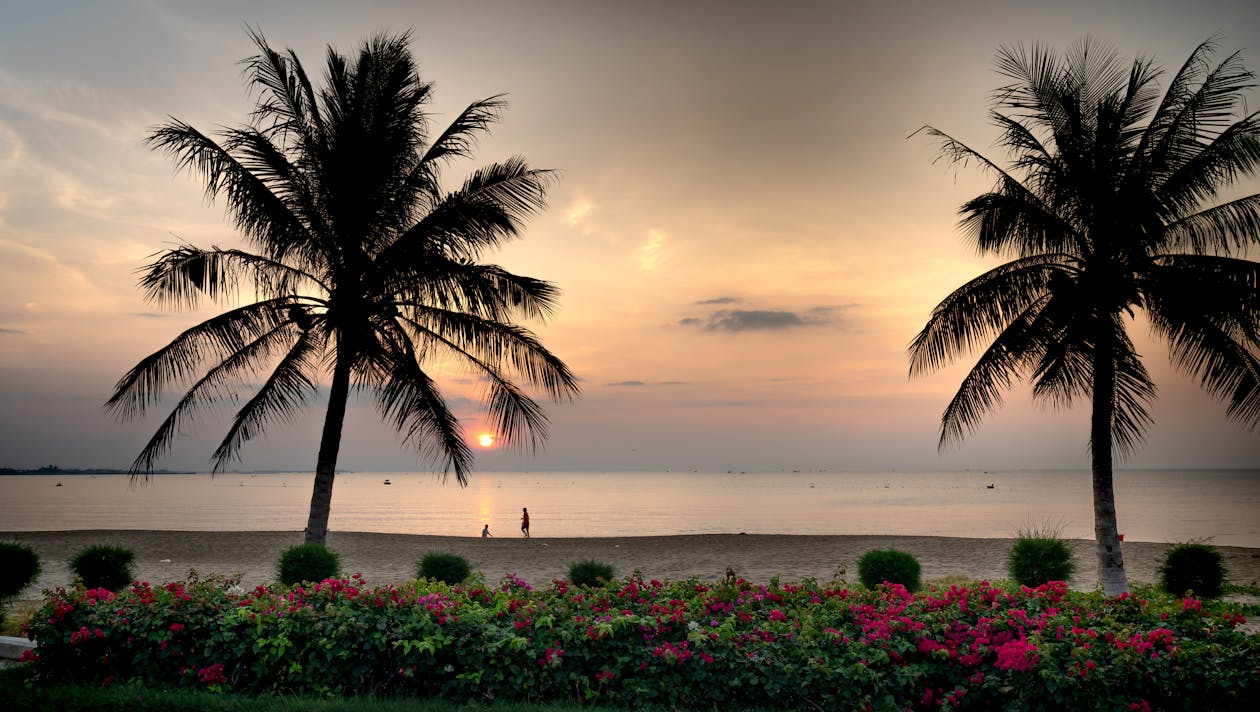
{"points": [[329, 446], [1106, 531]]}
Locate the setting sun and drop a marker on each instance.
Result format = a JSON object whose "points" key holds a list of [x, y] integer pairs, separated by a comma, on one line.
{"points": [[486, 440]]}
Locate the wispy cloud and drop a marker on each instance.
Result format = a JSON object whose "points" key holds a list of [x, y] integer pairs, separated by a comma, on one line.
{"points": [[11, 331], [718, 300], [644, 384], [655, 252], [738, 320], [577, 211]]}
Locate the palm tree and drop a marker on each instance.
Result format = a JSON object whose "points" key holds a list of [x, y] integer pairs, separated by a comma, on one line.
{"points": [[363, 266], [1104, 211]]}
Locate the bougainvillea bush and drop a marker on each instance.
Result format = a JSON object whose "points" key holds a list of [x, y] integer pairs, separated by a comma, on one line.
{"points": [[688, 644]]}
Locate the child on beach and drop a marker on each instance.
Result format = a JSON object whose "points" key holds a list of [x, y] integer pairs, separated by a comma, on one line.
{"points": [[485, 532], [525, 521]]}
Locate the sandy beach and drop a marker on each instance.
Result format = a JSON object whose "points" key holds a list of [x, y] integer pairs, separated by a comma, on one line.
{"points": [[389, 558]]}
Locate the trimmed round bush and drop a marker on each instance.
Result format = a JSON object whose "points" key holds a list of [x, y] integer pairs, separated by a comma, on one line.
{"points": [[889, 565], [19, 566], [1035, 560], [590, 573], [307, 562], [440, 566], [1197, 568], [104, 566]]}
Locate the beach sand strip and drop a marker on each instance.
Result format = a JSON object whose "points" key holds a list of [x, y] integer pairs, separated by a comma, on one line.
{"points": [[163, 556]]}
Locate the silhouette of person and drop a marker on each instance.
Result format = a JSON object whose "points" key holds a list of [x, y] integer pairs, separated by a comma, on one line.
{"points": [[525, 521], [485, 532]]}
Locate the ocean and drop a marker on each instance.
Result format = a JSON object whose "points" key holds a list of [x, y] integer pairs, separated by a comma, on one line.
{"points": [[1222, 506]]}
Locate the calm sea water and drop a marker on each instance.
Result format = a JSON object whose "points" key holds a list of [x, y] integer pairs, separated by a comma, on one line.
{"points": [[1158, 505]]}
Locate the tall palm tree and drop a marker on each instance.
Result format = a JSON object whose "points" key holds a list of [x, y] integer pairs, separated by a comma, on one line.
{"points": [[1110, 205], [363, 267]]}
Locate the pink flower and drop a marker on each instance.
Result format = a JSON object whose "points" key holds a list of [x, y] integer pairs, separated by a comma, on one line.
{"points": [[177, 627], [1019, 655], [212, 675]]}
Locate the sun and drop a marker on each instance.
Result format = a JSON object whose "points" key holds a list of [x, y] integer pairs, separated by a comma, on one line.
{"points": [[486, 440]]}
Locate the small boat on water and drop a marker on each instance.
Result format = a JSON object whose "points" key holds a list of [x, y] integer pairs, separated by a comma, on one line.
{"points": [[388, 482]]}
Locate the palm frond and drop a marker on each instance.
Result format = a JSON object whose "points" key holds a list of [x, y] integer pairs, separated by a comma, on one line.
{"points": [[179, 277], [459, 137], [1214, 164], [411, 400], [284, 104], [490, 208], [1011, 223], [1220, 228], [261, 215], [1134, 393], [1208, 308], [492, 347], [487, 291], [279, 399], [179, 361], [518, 420], [981, 309], [209, 390], [1005, 361]]}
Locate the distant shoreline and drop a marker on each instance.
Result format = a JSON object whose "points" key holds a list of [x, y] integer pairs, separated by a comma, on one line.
{"points": [[57, 471]]}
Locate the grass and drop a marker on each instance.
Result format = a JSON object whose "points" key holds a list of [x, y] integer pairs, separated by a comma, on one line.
{"points": [[17, 695], [16, 613]]}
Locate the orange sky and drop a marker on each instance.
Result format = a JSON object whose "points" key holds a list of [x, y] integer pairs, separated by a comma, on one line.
{"points": [[745, 237]]}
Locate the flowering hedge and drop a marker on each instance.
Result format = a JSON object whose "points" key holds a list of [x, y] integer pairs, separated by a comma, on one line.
{"points": [[687, 644]]}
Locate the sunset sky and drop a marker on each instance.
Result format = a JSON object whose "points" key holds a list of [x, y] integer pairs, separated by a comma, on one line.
{"points": [[745, 237]]}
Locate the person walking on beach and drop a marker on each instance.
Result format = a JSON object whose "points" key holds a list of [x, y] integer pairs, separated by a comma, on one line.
{"points": [[525, 521], [485, 532]]}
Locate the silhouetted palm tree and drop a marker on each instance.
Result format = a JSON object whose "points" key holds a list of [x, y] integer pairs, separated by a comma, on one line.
{"points": [[1102, 213], [364, 267]]}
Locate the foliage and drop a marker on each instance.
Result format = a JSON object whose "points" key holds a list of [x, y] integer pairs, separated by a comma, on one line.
{"points": [[135, 697], [1040, 557], [104, 566], [444, 567], [1111, 203], [591, 573], [19, 566], [363, 266], [889, 565], [307, 562], [686, 644], [1193, 567]]}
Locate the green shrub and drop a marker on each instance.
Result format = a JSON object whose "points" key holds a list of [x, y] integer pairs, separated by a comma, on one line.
{"points": [[1193, 567], [536, 647], [876, 567], [590, 573], [104, 566], [444, 567], [307, 562], [19, 566], [1035, 560]]}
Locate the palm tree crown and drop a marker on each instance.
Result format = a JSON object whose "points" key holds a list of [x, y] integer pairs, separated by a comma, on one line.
{"points": [[1110, 205], [363, 266]]}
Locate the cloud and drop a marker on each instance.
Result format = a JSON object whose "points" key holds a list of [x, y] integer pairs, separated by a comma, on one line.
{"points": [[737, 320], [645, 384], [655, 252], [718, 300], [11, 331], [634, 384], [577, 211]]}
